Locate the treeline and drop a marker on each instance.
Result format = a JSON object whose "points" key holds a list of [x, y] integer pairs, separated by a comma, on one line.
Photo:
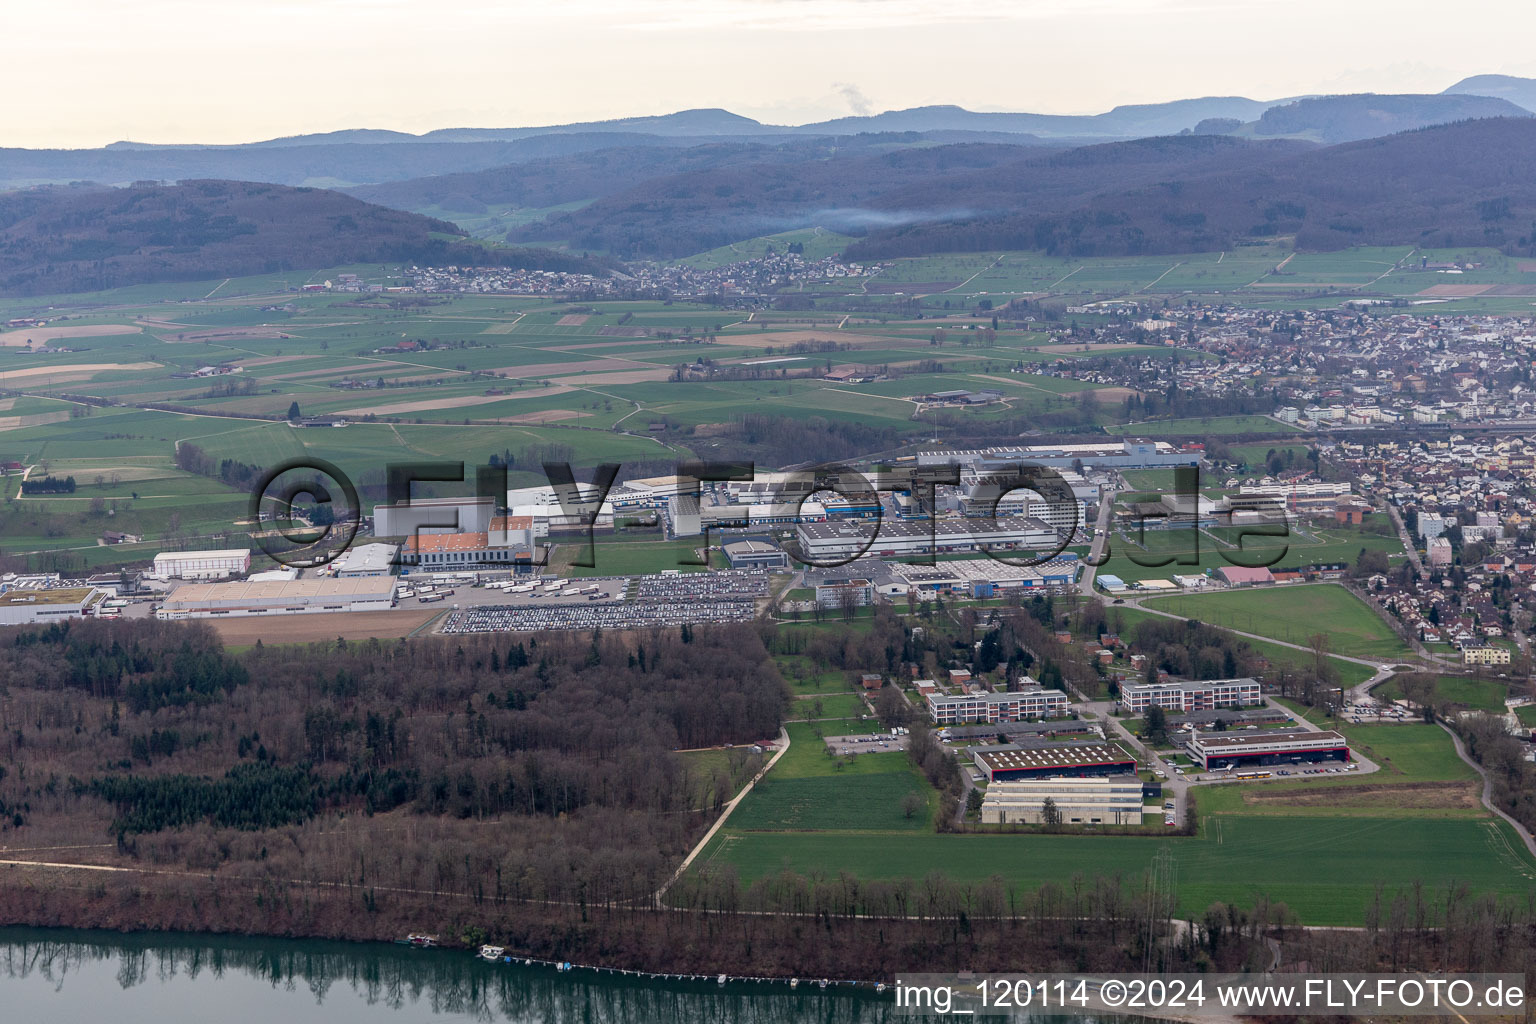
{"points": [[194, 459], [48, 485]]}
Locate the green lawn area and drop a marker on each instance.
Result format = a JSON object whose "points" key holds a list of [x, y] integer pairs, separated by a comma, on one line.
{"points": [[1482, 694], [835, 705], [1349, 673], [853, 802], [1527, 715], [1211, 426], [1324, 868], [1294, 613], [623, 558]]}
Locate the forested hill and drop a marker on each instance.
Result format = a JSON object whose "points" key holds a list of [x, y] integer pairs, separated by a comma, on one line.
{"points": [[1451, 185], [84, 238]]}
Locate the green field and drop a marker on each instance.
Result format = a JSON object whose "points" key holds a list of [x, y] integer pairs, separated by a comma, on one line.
{"points": [[1187, 552], [1293, 614], [1478, 694], [1324, 868], [1321, 846]]}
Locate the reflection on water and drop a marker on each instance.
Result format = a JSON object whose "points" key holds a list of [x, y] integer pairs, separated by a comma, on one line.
{"points": [[62, 975]]}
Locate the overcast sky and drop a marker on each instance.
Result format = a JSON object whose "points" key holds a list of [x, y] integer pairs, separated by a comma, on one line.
{"points": [[88, 72]]}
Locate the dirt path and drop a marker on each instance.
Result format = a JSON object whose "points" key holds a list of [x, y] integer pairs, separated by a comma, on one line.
{"points": [[724, 814]]}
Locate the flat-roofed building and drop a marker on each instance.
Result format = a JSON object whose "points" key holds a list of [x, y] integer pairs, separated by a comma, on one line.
{"points": [[755, 554], [28, 607], [202, 565], [1219, 750], [368, 560], [439, 552], [1191, 695], [1103, 801], [1005, 763], [894, 538], [290, 597], [432, 515], [1021, 705]]}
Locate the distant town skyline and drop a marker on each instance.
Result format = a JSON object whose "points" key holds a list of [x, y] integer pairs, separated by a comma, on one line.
{"points": [[83, 73]]}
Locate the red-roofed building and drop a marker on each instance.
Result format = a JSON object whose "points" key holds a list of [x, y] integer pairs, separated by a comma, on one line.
{"points": [[1240, 576]]}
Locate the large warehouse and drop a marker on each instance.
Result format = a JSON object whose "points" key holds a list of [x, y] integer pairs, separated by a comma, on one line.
{"points": [[1105, 801], [823, 542], [289, 597], [1219, 750], [32, 607], [1082, 760], [202, 565]]}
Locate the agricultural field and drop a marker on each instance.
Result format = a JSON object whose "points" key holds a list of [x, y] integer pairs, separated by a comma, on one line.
{"points": [[1293, 614], [1319, 846]]}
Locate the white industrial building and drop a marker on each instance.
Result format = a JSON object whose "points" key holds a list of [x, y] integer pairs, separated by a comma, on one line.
{"points": [[292, 597], [368, 560], [433, 515], [1103, 801], [202, 565], [27, 607], [823, 542]]}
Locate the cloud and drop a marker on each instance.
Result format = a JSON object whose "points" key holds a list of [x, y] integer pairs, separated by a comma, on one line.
{"points": [[857, 101]]}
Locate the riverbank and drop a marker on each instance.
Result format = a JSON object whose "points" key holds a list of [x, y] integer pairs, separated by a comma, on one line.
{"points": [[657, 941]]}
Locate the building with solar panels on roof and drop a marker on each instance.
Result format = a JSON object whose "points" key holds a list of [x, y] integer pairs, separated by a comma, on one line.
{"points": [[1057, 760]]}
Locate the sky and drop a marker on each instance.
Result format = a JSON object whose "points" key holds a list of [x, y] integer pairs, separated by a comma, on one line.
{"points": [[82, 73]]}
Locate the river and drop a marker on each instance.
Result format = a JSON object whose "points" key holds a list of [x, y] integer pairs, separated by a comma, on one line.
{"points": [[58, 975]]}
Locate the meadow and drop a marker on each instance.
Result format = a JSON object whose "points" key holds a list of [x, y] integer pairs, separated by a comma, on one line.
{"points": [[1294, 613]]}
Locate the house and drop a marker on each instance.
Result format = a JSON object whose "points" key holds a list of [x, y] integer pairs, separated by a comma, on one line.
{"points": [[109, 537], [871, 680]]}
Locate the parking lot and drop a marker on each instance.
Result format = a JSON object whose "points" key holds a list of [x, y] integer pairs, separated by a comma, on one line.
{"points": [[612, 602], [866, 743]]}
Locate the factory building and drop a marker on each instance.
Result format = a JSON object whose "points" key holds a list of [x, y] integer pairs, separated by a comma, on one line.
{"points": [[1104, 801], [894, 538], [292, 597], [755, 554], [984, 577], [445, 552], [1215, 751], [433, 515], [27, 607], [202, 565], [1127, 454], [1021, 705], [1082, 760], [1190, 695], [367, 560]]}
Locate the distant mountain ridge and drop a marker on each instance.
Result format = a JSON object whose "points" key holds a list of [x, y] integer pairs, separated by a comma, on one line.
{"points": [[1520, 91], [349, 157], [1446, 186]]}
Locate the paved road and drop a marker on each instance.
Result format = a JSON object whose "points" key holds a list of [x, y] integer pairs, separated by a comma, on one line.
{"points": [[1100, 543], [1461, 751], [1402, 535]]}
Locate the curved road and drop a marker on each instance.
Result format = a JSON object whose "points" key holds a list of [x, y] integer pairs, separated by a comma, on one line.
{"points": [[1461, 750]]}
